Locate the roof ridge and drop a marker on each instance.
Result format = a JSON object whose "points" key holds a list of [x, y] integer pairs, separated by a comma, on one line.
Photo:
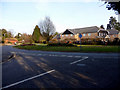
{"points": [[83, 27]]}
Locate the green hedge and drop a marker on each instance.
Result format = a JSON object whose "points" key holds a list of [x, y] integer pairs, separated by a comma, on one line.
{"points": [[60, 44]]}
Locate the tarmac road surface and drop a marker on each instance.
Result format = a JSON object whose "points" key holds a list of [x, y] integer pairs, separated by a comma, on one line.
{"points": [[42, 69]]}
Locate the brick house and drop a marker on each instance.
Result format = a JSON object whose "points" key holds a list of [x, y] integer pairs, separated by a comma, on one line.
{"points": [[11, 40], [89, 33], [113, 34], [119, 35]]}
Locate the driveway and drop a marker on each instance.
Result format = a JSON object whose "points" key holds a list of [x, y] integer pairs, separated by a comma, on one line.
{"points": [[42, 69]]}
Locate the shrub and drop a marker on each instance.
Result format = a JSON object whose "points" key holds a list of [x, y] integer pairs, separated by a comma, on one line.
{"points": [[44, 42], [60, 44], [27, 45], [9, 42], [2, 41]]}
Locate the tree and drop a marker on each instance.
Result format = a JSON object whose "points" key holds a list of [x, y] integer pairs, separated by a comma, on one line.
{"points": [[36, 34], [108, 26], [113, 5], [47, 28], [102, 27], [18, 36], [4, 34], [9, 34], [27, 38], [114, 24]]}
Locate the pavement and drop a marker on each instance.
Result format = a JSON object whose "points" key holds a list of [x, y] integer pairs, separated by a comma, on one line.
{"points": [[6, 54], [43, 69]]}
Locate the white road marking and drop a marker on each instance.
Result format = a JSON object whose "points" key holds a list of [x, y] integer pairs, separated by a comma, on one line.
{"points": [[77, 56], [79, 60], [28, 79], [55, 55]]}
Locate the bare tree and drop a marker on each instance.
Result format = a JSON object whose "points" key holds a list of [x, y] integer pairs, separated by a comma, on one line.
{"points": [[47, 29]]}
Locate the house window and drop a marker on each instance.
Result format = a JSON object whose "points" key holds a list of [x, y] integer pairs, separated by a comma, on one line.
{"points": [[89, 34], [84, 34], [71, 34], [66, 34]]}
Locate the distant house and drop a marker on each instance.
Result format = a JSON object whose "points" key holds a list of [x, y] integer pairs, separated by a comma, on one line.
{"points": [[11, 40], [89, 33], [113, 33], [119, 35]]}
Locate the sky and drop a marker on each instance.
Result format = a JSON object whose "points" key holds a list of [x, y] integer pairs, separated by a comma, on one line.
{"points": [[23, 15]]}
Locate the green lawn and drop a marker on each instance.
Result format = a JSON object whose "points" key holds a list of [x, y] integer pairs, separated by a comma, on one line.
{"points": [[85, 48]]}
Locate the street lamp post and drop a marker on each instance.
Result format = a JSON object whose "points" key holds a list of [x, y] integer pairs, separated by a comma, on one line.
{"points": [[80, 36]]}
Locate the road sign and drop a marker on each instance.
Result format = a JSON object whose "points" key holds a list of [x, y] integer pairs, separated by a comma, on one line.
{"points": [[80, 35]]}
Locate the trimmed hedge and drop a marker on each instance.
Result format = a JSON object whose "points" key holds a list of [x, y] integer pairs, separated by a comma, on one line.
{"points": [[60, 44], [27, 45]]}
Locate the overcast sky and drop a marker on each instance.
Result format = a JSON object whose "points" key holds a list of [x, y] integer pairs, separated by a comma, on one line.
{"points": [[22, 15]]}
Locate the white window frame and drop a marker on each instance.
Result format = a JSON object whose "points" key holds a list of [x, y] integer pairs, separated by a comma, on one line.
{"points": [[71, 35], [84, 34], [66, 35], [89, 34]]}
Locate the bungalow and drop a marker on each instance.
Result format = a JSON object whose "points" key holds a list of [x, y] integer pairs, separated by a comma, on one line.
{"points": [[89, 33], [119, 35], [11, 40], [113, 34]]}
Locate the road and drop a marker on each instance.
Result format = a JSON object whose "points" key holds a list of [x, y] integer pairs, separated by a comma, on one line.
{"points": [[42, 69]]}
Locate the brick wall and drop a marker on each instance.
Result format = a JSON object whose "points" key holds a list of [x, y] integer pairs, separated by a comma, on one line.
{"points": [[87, 35], [63, 37], [119, 35], [113, 36]]}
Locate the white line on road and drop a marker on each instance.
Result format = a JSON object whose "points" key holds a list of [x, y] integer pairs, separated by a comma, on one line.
{"points": [[77, 56], [27, 79], [54, 55], [79, 60]]}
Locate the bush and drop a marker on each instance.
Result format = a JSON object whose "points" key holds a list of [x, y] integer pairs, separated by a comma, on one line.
{"points": [[9, 42], [27, 45], [44, 42], [2, 41], [60, 44]]}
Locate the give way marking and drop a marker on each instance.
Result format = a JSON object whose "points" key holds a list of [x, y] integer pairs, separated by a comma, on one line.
{"points": [[27, 79], [79, 60]]}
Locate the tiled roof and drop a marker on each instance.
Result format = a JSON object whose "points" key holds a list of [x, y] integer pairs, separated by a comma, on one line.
{"points": [[11, 39], [113, 31], [84, 30]]}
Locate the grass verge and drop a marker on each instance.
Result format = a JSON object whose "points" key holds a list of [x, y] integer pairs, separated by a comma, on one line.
{"points": [[85, 48]]}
